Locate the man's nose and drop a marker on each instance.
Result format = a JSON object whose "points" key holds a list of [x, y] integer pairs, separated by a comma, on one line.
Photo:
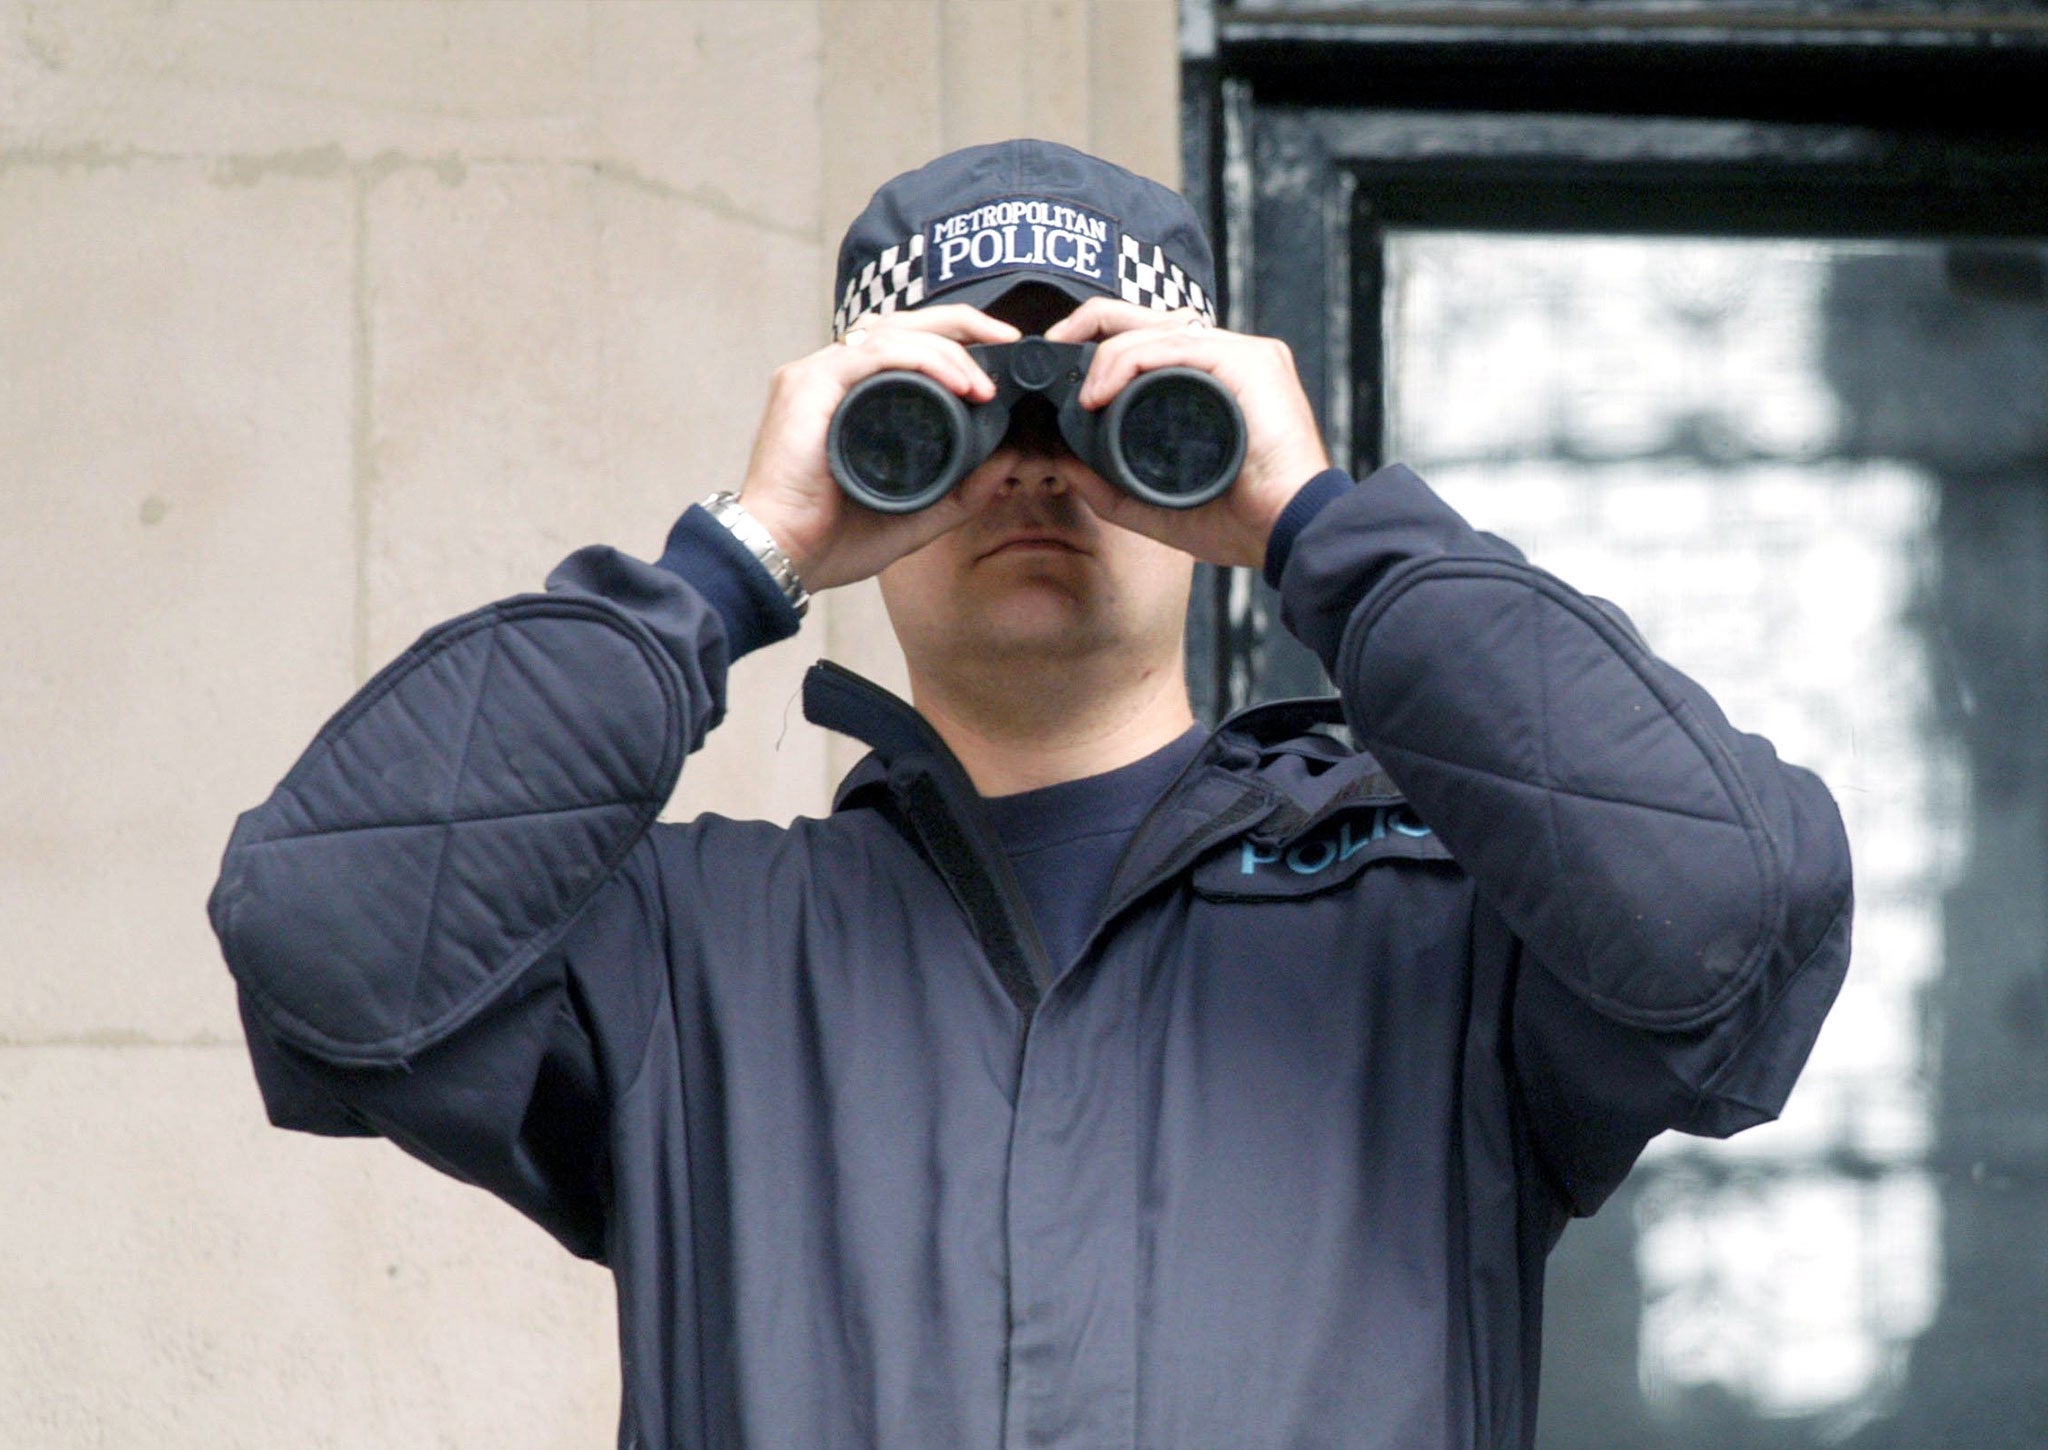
{"points": [[1034, 472]]}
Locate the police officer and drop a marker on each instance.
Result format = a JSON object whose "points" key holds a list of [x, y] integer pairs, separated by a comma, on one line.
{"points": [[1086, 1077]]}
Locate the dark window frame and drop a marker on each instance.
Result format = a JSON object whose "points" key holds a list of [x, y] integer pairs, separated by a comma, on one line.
{"points": [[1847, 118]]}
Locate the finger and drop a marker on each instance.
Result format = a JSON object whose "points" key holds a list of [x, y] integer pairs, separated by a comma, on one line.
{"points": [[949, 319], [1121, 358], [1100, 317], [913, 349], [966, 324]]}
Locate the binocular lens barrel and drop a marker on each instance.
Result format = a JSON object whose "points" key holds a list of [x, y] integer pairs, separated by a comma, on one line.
{"points": [[899, 441], [1176, 437]]}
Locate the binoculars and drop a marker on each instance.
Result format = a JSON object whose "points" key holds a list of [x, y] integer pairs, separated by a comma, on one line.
{"points": [[899, 441]]}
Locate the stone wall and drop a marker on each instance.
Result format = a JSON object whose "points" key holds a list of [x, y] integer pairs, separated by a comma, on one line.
{"points": [[319, 321]]}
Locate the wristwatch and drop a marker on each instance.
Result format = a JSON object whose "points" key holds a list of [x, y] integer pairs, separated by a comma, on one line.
{"points": [[726, 508]]}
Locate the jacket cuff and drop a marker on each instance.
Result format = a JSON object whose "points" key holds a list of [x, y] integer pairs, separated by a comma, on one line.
{"points": [[1315, 495], [1355, 539], [753, 609]]}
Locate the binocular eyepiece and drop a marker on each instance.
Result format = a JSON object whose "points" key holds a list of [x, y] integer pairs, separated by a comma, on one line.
{"points": [[899, 441]]}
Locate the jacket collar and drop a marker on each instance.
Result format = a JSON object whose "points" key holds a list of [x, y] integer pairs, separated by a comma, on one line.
{"points": [[1282, 743], [1264, 772], [837, 699]]}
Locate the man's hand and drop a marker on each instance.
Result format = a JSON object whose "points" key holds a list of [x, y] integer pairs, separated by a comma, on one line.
{"points": [[1283, 448], [830, 539]]}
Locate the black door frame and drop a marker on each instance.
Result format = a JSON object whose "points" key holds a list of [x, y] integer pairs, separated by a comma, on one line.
{"points": [[1308, 130]]}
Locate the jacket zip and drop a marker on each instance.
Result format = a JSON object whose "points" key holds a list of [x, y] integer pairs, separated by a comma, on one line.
{"points": [[933, 765], [933, 791]]}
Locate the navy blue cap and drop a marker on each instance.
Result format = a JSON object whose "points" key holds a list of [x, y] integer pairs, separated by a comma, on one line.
{"points": [[975, 223]]}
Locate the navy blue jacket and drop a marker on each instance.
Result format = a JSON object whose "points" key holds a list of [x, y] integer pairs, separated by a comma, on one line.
{"points": [[1275, 1162]]}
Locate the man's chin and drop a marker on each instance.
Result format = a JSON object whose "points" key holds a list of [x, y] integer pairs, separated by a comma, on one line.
{"points": [[1034, 623], [1023, 643]]}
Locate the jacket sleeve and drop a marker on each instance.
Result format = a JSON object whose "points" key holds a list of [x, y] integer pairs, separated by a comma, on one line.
{"points": [[443, 923], [1684, 895]]}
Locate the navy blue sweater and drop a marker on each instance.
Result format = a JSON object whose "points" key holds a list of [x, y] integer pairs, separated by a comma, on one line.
{"points": [[1064, 841]]}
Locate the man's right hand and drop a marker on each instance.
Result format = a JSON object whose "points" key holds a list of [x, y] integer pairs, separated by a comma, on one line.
{"points": [[830, 539]]}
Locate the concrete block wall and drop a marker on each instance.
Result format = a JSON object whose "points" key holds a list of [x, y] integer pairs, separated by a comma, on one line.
{"points": [[321, 320]]}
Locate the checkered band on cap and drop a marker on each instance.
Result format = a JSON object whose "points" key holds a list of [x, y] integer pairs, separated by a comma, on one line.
{"points": [[892, 280], [1147, 276]]}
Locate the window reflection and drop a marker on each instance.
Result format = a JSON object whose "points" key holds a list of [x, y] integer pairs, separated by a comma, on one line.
{"points": [[1734, 441]]}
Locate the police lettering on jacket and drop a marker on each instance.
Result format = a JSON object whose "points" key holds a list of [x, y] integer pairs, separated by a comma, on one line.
{"points": [[1339, 842]]}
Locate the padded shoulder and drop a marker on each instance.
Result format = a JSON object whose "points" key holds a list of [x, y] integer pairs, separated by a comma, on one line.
{"points": [[1599, 795], [445, 829]]}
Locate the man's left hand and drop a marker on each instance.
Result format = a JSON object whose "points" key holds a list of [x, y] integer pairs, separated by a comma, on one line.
{"points": [[1283, 448]]}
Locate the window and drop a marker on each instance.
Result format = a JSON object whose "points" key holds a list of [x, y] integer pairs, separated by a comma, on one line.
{"points": [[1731, 333]]}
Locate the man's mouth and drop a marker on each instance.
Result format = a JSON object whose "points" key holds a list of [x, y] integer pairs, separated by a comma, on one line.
{"points": [[1033, 542]]}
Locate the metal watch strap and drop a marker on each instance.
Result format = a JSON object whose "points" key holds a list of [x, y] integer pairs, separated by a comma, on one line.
{"points": [[756, 540]]}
